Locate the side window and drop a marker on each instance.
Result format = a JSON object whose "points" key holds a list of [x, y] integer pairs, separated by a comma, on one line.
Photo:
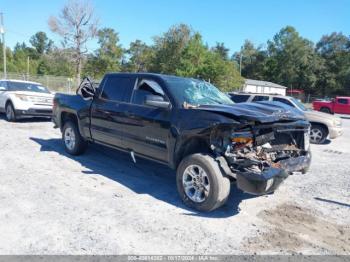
{"points": [[145, 88], [342, 101], [282, 100], [260, 98], [118, 88], [239, 98]]}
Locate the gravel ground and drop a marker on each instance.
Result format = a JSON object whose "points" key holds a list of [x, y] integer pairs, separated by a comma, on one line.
{"points": [[102, 203]]}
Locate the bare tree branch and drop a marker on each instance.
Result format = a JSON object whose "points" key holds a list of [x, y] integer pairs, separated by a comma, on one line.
{"points": [[77, 25]]}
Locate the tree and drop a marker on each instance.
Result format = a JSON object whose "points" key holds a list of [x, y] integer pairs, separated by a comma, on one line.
{"points": [[77, 25], [200, 62], [221, 50], [41, 43], [334, 75], [56, 62], [140, 57], [109, 55], [291, 60], [169, 47], [253, 61]]}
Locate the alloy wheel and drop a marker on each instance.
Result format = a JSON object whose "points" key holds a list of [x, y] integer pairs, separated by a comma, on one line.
{"points": [[196, 184], [69, 138]]}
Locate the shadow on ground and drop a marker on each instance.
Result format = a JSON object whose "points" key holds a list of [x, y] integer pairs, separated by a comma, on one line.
{"points": [[144, 177]]}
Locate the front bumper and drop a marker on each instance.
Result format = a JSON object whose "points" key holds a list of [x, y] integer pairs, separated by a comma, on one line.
{"points": [[271, 178], [334, 132], [32, 112]]}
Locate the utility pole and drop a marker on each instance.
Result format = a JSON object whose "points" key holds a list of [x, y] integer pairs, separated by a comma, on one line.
{"points": [[2, 31], [27, 68], [240, 62]]}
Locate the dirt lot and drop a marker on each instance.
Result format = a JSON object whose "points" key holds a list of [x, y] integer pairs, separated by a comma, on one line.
{"points": [[102, 203]]}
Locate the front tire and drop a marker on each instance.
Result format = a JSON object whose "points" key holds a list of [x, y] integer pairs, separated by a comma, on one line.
{"points": [[74, 143], [325, 110], [318, 134], [201, 184], [10, 113]]}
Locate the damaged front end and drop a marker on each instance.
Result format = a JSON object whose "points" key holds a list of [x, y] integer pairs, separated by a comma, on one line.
{"points": [[261, 156]]}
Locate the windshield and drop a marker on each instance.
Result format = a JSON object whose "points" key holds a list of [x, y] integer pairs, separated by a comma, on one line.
{"points": [[299, 104], [196, 92], [22, 86]]}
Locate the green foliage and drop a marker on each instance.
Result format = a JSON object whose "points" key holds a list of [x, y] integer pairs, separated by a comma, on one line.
{"points": [[140, 57], [197, 61], [287, 59], [169, 47], [41, 42], [334, 73], [295, 62], [222, 50], [109, 55]]}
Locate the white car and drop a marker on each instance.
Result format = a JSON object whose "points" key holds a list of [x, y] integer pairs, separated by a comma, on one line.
{"points": [[322, 125], [24, 99]]}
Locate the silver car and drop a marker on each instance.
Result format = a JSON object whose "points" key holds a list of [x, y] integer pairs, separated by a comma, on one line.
{"points": [[322, 125]]}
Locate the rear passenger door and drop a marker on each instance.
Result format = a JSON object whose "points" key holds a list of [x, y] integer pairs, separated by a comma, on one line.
{"points": [[342, 106], [108, 111]]}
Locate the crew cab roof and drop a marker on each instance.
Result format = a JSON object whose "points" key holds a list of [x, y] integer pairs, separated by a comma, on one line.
{"points": [[141, 74]]}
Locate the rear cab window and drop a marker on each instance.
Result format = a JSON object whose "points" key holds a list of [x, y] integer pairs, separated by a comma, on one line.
{"points": [[117, 88], [239, 98], [343, 101]]}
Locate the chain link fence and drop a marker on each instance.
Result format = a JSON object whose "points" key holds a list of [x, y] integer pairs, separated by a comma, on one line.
{"points": [[62, 84]]}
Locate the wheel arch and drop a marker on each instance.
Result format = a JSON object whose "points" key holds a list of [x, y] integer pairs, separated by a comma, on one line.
{"points": [[190, 146], [68, 116], [9, 101], [327, 108], [320, 124]]}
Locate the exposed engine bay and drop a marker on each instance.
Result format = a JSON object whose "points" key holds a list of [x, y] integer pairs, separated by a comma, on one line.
{"points": [[259, 155]]}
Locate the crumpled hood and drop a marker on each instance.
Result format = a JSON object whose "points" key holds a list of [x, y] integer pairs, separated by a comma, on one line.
{"points": [[264, 112]]}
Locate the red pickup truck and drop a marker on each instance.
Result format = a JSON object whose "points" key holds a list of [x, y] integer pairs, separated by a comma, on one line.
{"points": [[338, 105]]}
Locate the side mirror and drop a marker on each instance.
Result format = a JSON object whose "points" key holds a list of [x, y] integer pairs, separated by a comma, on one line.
{"points": [[86, 89], [157, 101]]}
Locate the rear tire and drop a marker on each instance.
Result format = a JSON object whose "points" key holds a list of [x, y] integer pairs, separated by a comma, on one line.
{"points": [[325, 110], [318, 134], [10, 112], [201, 184], [74, 143]]}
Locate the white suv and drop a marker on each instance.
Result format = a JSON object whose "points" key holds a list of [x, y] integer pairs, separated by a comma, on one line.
{"points": [[24, 99]]}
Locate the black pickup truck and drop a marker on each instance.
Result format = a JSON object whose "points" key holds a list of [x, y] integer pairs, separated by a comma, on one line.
{"points": [[191, 126]]}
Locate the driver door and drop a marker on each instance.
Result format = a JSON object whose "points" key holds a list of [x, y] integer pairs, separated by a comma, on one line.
{"points": [[147, 129]]}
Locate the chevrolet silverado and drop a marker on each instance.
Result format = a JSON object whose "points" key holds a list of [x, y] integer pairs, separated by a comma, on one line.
{"points": [[191, 126]]}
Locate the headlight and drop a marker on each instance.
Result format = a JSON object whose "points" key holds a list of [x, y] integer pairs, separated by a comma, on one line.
{"points": [[23, 97], [242, 137], [337, 122]]}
